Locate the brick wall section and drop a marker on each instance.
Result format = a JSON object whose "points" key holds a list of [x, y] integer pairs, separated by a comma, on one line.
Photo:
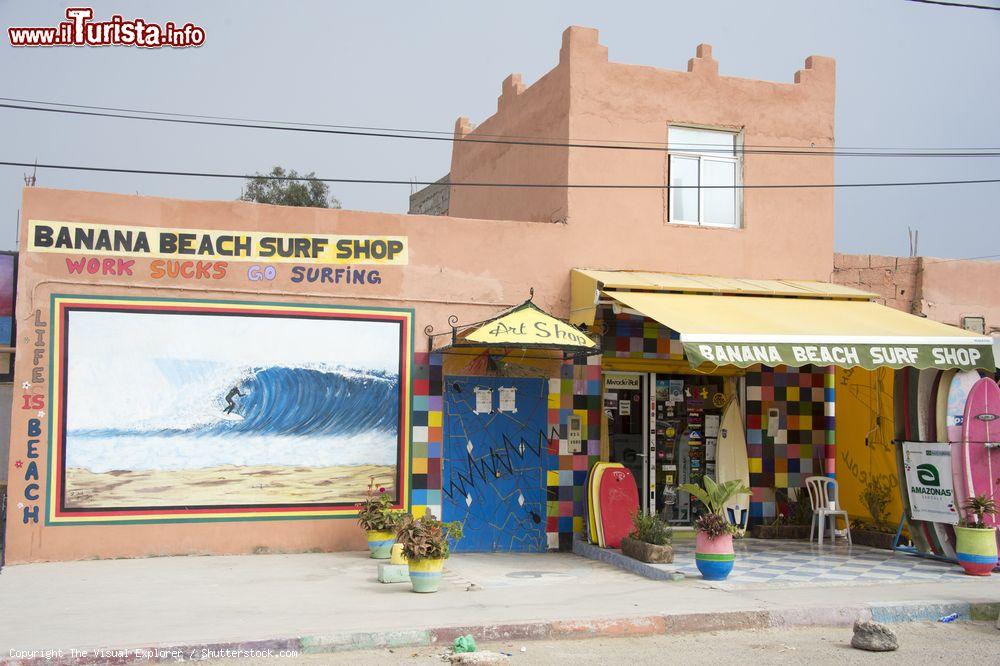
{"points": [[896, 280], [432, 200]]}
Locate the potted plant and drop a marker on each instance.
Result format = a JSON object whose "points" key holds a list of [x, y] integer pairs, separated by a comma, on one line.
{"points": [[976, 542], [878, 533], [379, 519], [794, 524], [713, 550], [649, 540], [425, 545]]}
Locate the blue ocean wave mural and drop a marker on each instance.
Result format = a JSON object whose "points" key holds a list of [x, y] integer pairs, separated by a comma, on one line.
{"points": [[306, 416]]}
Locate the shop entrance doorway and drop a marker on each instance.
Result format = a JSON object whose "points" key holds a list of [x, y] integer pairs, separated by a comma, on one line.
{"points": [[625, 408], [687, 410], [664, 429], [495, 462]]}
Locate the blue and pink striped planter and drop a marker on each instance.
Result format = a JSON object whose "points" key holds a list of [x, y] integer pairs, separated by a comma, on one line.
{"points": [[714, 557]]}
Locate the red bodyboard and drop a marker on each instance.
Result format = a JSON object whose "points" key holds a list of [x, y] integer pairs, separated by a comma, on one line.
{"points": [[619, 501]]}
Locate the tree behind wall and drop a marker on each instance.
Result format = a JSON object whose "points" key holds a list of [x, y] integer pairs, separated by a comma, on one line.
{"points": [[288, 188]]}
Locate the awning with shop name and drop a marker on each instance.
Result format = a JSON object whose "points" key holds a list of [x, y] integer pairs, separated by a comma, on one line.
{"points": [[528, 326], [744, 330]]}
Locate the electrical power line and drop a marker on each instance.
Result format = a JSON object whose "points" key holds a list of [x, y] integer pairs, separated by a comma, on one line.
{"points": [[450, 134], [960, 5], [548, 144], [604, 186]]}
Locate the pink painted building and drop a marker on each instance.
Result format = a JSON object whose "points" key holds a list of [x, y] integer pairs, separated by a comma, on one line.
{"points": [[224, 377]]}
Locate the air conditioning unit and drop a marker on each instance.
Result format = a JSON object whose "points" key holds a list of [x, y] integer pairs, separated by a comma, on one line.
{"points": [[976, 324]]}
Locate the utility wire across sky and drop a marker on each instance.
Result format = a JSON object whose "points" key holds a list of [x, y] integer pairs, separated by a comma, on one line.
{"points": [[404, 134], [596, 186]]}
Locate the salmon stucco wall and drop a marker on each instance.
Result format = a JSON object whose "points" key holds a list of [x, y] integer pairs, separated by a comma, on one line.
{"points": [[588, 99]]}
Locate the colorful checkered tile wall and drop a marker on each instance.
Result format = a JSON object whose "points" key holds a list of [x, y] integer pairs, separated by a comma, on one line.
{"points": [[428, 433], [576, 391], [800, 445], [633, 336]]}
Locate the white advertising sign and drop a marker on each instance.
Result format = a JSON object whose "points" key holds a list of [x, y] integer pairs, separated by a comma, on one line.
{"points": [[928, 481], [622, 382], [484, 401]]}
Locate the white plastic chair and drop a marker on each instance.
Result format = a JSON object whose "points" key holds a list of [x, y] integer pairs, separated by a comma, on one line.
{"points": [[819, 494]]}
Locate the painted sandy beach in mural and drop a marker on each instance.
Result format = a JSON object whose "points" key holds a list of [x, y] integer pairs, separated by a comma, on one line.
{"points": [[200, 410], [224, 486]]}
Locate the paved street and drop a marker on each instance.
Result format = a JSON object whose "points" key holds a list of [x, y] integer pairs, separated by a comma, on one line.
{"points": [[920, 643], [325, 597]]}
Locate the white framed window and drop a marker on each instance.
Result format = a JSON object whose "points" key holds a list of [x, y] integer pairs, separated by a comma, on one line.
{"points": [[705, 169]]}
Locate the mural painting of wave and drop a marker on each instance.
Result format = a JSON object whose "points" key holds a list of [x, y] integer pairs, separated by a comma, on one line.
{"points": [[206, 410]]}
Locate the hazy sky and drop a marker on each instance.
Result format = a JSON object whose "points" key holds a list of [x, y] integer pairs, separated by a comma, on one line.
{"points": [[908, 76]]}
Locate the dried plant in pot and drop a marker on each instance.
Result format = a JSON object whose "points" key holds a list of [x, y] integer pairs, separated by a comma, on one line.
{"points": [[976, 538], [379, 520], [877, 531], [650, 539], [425, 542]]}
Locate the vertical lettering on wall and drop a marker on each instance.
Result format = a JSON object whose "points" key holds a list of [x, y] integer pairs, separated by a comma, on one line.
{"points": [[32, 401]]}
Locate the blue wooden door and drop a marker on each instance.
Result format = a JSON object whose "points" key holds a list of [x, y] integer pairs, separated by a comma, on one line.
{"points": [[495, 463]]}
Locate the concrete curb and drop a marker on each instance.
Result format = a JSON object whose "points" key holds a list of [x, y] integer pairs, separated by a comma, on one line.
{"points": [[644, 625], [616, 559]]}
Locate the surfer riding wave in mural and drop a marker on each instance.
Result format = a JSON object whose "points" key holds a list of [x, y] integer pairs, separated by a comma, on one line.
{"points": [[231, 403]]}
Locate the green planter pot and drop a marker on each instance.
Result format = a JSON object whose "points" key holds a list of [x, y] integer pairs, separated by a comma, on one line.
{"points": [[380, 544], [977, 549], [425, 575]]}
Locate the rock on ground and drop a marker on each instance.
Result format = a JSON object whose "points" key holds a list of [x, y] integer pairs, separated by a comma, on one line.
{"points": [[874, 636]]}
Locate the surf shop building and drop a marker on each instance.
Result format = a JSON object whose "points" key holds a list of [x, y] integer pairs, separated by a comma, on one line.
{"points": [[225, 377]]}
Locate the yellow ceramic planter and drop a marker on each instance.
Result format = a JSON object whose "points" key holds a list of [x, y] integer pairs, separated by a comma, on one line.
{"points": [[425, 575], [397, 556], [977, 550], [380, 544]]}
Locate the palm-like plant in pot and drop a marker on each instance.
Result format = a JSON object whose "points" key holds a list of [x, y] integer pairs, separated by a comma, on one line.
{"points": [[714, 552], [379, 520], [976, 542], [425, 546]]}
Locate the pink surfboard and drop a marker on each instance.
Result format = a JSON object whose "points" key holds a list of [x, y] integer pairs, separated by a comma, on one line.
{"points": [[619, 501], [958, 393], [981, 442]]}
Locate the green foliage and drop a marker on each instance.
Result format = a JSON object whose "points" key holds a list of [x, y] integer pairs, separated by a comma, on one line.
{"points": [[375, 512], [876, 497], [715, 495], [800, 512], [979, 506], [650, 528], [713, 525], [288, 188], [427, 538]]}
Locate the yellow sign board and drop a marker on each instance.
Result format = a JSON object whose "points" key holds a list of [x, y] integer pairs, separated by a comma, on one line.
{"points": [[160, 243], [528, 326]]}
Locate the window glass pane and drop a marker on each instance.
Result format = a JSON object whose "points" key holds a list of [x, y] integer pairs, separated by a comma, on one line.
{"points": [[684, 202], [687, 140], [720, 204]]}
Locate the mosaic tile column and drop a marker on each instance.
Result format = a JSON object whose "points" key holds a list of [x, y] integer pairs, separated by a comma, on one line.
{"points": [[428, 433], [804, 444], [576, 391]]}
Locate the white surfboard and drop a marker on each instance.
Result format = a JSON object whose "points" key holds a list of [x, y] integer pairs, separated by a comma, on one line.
{"points": [[941, 405], [731, 463], [925, 403], [230, 417]]}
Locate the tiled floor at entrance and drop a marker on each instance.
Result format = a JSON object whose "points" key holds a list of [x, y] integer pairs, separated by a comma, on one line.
{"points": [[803, 563]]}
